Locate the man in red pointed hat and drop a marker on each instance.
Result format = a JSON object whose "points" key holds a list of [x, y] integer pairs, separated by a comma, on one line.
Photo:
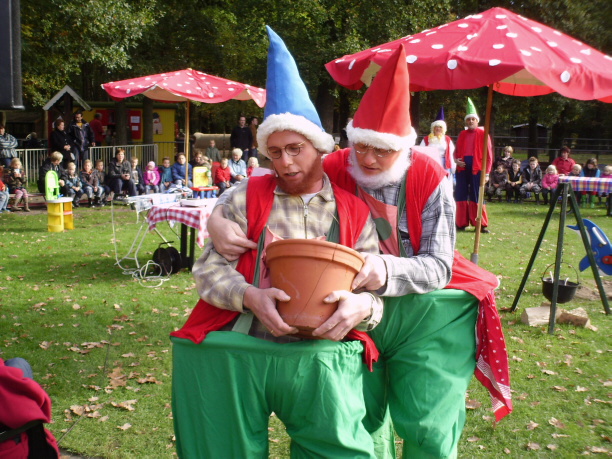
{"points": [[435, 298]]}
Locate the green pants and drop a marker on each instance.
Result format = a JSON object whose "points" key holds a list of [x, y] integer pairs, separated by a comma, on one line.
{"points": [[427, 345], [224, 390]]}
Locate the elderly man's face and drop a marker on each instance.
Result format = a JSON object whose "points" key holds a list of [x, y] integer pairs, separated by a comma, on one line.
{"points": [[370, 163], [471, 123], [300, 174]]}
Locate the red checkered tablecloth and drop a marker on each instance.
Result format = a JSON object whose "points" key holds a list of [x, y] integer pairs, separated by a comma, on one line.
{"points": [[194, 217], [600, 185]]}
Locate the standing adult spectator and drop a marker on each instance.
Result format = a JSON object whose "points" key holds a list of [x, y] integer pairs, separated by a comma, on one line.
{"points": [[238, 168], [97, 128], [32, 141], [120, 175], [563, 162], [241, 137], [82, 137], [213, 152], [52, 163], [253, 127], [61, 141], [468, 156], [443, 144], [8, 143]]}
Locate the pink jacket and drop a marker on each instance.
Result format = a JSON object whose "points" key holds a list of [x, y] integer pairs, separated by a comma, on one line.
{"points": [[151, 177], [550, 181]]}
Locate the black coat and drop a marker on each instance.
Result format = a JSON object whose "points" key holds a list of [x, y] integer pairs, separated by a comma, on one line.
{"points": [[58, 140]]}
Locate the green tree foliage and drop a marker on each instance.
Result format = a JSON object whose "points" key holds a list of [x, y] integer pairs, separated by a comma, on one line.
{"points": [[61, 38]]}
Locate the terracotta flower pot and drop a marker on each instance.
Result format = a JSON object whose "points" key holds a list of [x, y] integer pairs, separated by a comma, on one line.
{"points": [[308, 270]]}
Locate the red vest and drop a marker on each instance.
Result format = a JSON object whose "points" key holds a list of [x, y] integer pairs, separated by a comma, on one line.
{"points": [[353, 215], [423, 177]]}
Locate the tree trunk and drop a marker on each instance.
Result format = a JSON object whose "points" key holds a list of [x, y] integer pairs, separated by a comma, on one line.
{"points": [[532, 140], [325, 104], [121, 124], [147, 121]]}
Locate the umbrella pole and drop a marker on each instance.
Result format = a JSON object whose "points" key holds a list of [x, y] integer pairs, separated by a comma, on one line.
{"points": [[187, 143], [483, 173]]}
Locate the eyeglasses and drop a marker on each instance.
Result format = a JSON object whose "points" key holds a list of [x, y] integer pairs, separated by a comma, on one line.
{"points": [[364, 149], [292, 149]]}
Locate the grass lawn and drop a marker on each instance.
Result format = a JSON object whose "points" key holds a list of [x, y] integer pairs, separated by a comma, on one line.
{"points": [[97, 339]]}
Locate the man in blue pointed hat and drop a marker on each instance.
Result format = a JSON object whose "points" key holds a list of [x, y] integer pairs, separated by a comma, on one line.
{"points": [[236, 361]]}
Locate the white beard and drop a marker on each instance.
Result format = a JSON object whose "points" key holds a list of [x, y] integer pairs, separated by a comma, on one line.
{"points": [[374, 182]]}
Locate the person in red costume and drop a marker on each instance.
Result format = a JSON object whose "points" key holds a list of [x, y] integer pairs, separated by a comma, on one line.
{"points": [[24, 407], [235, 360], [468, 156], [563, 162], [436, 302]]}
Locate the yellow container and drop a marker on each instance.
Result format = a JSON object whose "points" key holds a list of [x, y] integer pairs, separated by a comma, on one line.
{"points": [[56, 217]]}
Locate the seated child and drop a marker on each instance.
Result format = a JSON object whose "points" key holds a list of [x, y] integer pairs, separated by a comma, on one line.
{"points": [[91, 186], [16, 180], [151, 178], [532, 179], [576, 171], [590, 169], [549, 182], [223, 176], [4, 194], [253, 163], [607, 174], [179, 177], [165, 175], [137, 176], [101, 176], [497, 181], [515, 180], [73, 187]]}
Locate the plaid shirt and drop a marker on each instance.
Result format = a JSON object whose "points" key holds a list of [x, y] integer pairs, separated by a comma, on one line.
{"points": [[219, 283], [431, 269]]}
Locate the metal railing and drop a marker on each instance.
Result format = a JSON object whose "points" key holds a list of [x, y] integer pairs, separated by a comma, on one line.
{"points": [[32, 159]]}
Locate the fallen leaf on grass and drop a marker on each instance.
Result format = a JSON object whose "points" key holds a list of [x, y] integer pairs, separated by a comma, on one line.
{"points": [[77, 409], [556, 435], [533, 446], [598, 449], [552, 447], [549, 372], [130, 354], [581, 389], [555, 422], [532, 425], [507, 451], [559, 388], [125, 426], [473, 439], [45, 345], [103, 419], [472, 404], [127, 405]]}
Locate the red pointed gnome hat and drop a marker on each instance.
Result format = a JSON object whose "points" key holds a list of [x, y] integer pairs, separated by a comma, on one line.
{"points": [[383, 117]]}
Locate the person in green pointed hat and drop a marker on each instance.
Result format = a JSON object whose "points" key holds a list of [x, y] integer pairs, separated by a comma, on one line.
{"points": [[468, 156]]}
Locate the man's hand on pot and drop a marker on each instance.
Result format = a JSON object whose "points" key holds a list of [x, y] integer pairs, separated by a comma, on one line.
{"points": [[352, 309], [227, 236], [262, 302], [373, 274]]}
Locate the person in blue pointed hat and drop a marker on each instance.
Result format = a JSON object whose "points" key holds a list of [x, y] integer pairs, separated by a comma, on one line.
{"points": [[236, 361], [442, 143]]}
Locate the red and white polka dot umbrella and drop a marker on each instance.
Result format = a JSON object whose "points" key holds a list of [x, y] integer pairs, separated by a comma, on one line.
{"points": [[516, 55], [184, 85]]}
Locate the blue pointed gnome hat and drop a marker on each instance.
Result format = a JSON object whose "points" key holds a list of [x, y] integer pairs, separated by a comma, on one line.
{"points": [[288, 106], [439, 121]]}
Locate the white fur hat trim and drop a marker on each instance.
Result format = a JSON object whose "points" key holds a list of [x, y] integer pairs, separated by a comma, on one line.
{"points": [[381, 140], [321, 140]]}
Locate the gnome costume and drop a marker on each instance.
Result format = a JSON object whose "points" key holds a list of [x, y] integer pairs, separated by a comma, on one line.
{"points": [[442, 146], [470, 144], [229, 372], [431, 341]]}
